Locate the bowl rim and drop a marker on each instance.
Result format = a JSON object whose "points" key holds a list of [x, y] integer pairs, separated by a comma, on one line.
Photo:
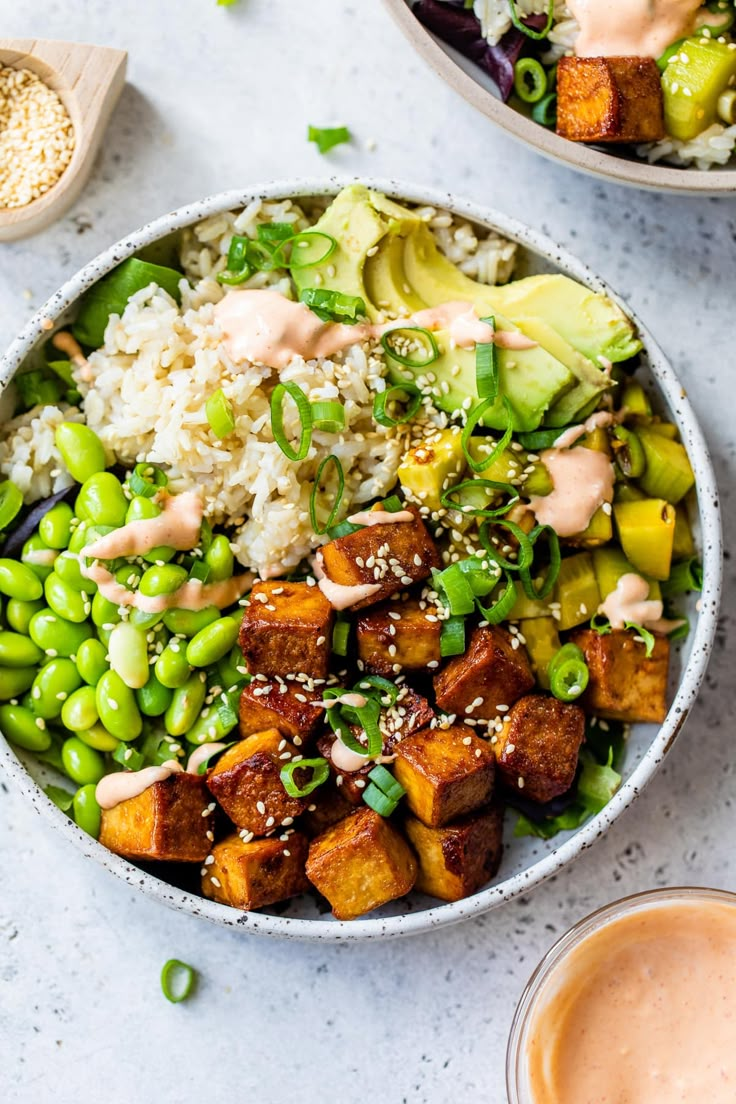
{"points": [[702, 637], [574, 937], [604, 166]]}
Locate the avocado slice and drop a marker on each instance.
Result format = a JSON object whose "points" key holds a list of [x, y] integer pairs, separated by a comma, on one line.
{"points": [[385, 280], [591, 380]]}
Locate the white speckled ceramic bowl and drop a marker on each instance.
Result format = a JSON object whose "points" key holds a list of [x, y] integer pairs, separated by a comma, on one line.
{"points": [[526, 862], [478, 89]]}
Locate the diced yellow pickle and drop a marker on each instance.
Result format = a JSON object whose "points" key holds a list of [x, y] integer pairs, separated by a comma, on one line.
{"points": [[646, 530], [692, 82], [668, 472], [683, 546], [576, 590], [610, 564], [598, 531], [542, 642]]}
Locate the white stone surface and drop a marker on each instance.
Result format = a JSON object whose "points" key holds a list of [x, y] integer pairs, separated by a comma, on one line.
{"points": [[218, 98]]}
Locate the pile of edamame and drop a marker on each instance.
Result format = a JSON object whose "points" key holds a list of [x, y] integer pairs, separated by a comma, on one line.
{"points": [[91, 687]]}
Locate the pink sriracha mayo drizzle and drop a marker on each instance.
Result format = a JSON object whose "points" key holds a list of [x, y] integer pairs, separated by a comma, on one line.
{"points": [[596, 421], [65, 343], [631, 28], [381, 517], [263, 327], [582, 481], [201, 755], [339, 595], [113, 789], [630, 602]]}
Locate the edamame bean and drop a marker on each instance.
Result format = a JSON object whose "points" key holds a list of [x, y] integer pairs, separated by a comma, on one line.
{"points": [[55, 527], [128, 651], [128, 575], [17, 650], [172, 666], [212, 642], [51, 687], [117, 707], [71, 604], [165, 579], [208, 727], [190, 622], [104, 612], [102, 500], [154, 698], [98, 737], [142, 509], [79, 711], [92, 661], [83, 764], [87, 812], [19, 614], [219, 559], [81, 450], [86, 533], [38, 557], [23, 728], [55, 636], [67, 568], [14, 681], [185, 705], [17, 580], [227, 668]]}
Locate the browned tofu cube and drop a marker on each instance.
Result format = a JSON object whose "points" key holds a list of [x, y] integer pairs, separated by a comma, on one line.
{"points": [[393, 555], [287, 630], [283, 704], [360, 864], [624, 685], [168, 821], [399, 636], [609, 99], [537, 750], [246, 782], [249, 875], [446, 772], [457, 860], [328, 806], [488, 678]]}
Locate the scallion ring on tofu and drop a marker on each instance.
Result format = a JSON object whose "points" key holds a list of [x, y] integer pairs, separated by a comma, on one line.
{"points": [[383, 792], [319, 767], [399, 392], [455, 590], [398, 341], [386, 689], [503, 605], [318, 526], [568, 673], [177, 980], [474, 488], [304, 409], [341, 717], [452, 636]]}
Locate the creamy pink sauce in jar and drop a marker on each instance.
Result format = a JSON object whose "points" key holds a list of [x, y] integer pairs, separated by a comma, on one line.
{"points": [[631, 28], [636, 1005]]}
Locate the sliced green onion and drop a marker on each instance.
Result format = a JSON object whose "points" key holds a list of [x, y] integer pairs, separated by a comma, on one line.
{"points": [[11, 501], [341, 636], [147, 480], [411, 334], [545, 112], [309, 248], [177, 980], [343, 529], [328, 416], [227, 707], [530, 80], [664, 59], [238, 268], [486, 367], [452, 636], [378, 801], [684, 576], [333, 306], [129, 757], [386, 783], [391, 394], [475, 416], [568, 673], [316, 525], [270, 233], [529, 31], [62, 798], [647, 638], [384, 686], [503, 605], [326, 138], [392, 504], [199, 571], [525, 553], [279, 393], [455, 590], [320, 769], [482, 581], [219, 411], [539, 439], [530, 588], [341, 728], [450, 502]]}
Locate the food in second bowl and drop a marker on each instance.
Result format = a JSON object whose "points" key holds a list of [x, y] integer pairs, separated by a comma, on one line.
{"points": [[656, 74], [369, 546]]}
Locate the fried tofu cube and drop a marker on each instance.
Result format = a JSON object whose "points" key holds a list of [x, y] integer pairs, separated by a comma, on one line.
{"points": [[537, 750], [458, 859], [287, 630], [328, 806], [488, 678], [169, 821], [360, 864], [624, 685], [246, 782], [249, 875], [283, 704], [446, 772], [399, 636], [609, 99], [391, 555]]}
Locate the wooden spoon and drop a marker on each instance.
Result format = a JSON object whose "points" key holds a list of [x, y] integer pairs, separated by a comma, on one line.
{"points": [[88, 80]]}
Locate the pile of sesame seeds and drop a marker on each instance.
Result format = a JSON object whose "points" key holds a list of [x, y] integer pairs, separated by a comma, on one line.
{"points": [[36, 137]]}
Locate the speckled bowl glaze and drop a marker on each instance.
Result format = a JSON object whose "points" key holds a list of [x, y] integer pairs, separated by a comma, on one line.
{"points": [[527, 862], [469, 80]]}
